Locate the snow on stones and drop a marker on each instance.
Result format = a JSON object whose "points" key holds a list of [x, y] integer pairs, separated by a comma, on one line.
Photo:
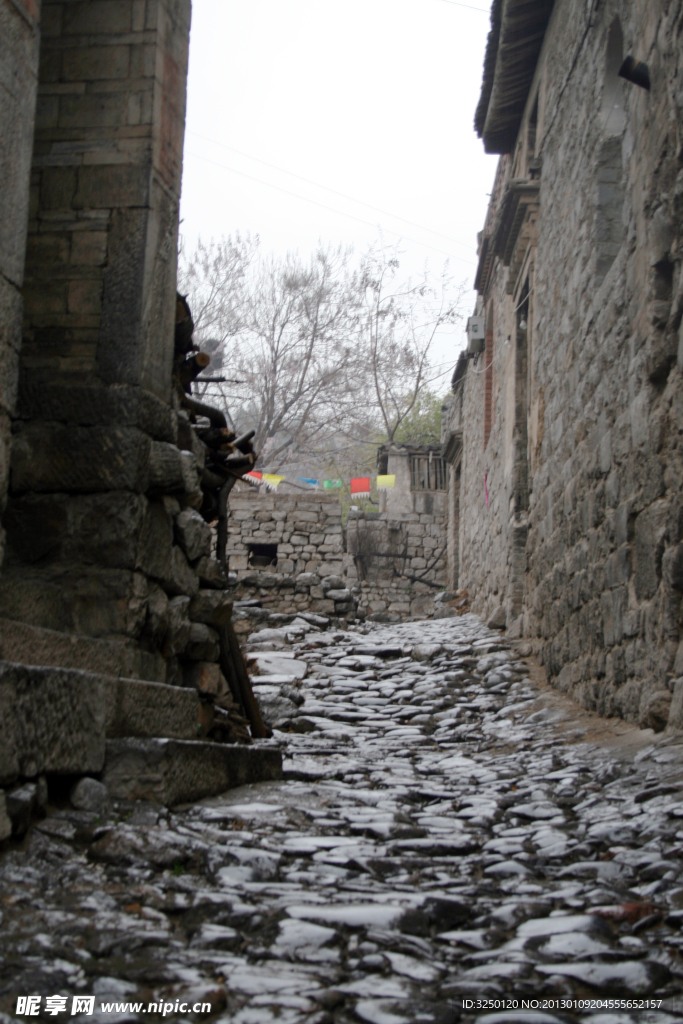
{"points": [[435, 838]]}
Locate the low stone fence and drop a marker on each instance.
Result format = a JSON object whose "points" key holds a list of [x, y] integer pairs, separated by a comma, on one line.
{"points": [[286, 533], [274, 597], [398, 561]]}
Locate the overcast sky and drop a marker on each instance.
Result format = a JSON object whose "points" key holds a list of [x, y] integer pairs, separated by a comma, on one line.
{"points": [[314, 119]]}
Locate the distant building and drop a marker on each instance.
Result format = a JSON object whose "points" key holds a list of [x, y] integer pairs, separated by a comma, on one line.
{"points": [[564, 440]]}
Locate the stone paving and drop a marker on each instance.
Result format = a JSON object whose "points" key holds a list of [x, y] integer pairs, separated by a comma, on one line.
{"points": [[446, 845]]}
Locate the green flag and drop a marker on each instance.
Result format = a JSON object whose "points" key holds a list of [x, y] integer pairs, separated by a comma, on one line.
{"points": [[331, 483]]}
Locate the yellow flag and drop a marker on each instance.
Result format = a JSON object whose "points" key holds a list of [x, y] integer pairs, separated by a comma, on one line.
{"points": [[270, 478], [386, 481]]}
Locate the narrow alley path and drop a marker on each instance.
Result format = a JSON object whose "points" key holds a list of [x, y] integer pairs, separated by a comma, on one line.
{"points": [[447, 838]]}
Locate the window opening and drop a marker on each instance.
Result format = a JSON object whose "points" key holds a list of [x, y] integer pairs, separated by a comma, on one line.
{"points": [[427, 473], [262, 555]]}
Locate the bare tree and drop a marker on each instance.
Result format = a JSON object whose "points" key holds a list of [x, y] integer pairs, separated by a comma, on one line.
{"points": [[214, 278], [323, 359], [398, 324]]}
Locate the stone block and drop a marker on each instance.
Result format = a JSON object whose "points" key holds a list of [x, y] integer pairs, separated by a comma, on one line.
{"points": [[171, 771], [344, 607], [91, 405], [88, 248], [332, 582], [178, 577], [171, 469], [193, 534], [53, 458], [99, 17], [655, 711], [51, 721], [22, 806], [154, 554], [104, 529], [80, 599], [322, 606], [89, 795], [210, 573], [95, 63], [5, 821], [23, 642], [298, 516], [307, 579], [212, 607], [157, 613], [178, 631], [205, 677], [137, 708], [203, 643]]}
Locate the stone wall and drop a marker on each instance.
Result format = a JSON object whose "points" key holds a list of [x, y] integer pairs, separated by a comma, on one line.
{"points": [[581, 541], [306, 530], [18, 86], [304, 534], [393, 559]]}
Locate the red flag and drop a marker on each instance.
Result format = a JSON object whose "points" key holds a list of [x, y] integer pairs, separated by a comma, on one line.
{"points": [[360, 487]]}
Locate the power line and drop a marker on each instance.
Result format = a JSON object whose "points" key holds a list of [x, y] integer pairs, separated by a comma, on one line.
{"points": [[334, 191], [324, 206]]}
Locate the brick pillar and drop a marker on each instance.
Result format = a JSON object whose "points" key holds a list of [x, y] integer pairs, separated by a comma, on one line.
{"points": [[18, 84], [96, 476], [101, 262]]}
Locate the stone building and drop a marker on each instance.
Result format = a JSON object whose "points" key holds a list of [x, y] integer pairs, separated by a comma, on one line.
{"points": [[396, 557], [564, 438], [108, 589]]}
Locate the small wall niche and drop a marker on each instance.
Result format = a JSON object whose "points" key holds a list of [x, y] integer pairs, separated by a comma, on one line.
{"points": [[262, 556]]}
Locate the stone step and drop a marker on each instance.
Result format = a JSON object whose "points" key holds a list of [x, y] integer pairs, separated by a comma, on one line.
{"points": [[174, 772], [25, 643], [57, 720]]}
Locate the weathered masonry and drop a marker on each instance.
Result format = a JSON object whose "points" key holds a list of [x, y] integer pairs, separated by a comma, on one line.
{"points": [[287, 552], [397, 557], [110, 599], [565, 436]]}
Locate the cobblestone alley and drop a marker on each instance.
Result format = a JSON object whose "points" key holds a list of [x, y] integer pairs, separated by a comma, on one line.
{"points": [[450, 837]]}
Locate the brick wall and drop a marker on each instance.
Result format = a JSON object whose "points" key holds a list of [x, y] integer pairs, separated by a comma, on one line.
{"points": [[101, 260]]}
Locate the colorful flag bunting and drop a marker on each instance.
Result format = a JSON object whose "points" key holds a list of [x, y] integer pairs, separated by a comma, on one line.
{"points": [[331, 483], [360, 487], [386, 480], [272, 479]]}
